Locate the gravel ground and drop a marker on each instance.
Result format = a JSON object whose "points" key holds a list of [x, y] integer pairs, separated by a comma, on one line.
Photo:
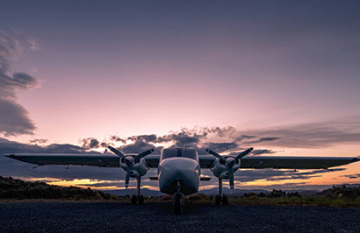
{"points": [[159, 217]]}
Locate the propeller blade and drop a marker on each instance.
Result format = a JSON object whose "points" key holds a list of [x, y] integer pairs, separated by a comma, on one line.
{"points": [[231, 180], [242, 154], [143, 154], [117, 152], [215, 154], [127, 179]]}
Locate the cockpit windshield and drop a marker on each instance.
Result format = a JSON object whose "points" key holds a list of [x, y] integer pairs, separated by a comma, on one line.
{"points": [[179, 152]]}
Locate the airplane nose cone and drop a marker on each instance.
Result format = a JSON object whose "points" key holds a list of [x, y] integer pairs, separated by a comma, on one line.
{"points": [[179, 169]]}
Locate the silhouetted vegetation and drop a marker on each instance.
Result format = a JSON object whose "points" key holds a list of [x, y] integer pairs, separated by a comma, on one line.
{"points": [[337, 196], [18, 189]]}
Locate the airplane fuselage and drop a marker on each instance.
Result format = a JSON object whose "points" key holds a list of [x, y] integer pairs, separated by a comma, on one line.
{"points": [[183, 170]]}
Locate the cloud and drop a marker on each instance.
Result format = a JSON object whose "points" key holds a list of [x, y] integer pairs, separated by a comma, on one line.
{"points": [[34, 46], [14, 118], [279, 175], [90, 143], [146, 138], [352, 176], [264, 139], [117, 139], [311, 135], [244, 137], [139, 146], [39, 141], [221, 147], [291, 175], [262, 151]]}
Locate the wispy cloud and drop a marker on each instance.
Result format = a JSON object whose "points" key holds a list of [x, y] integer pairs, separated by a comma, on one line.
{"points": [[14, 117], [33, 44], [310, 135]]}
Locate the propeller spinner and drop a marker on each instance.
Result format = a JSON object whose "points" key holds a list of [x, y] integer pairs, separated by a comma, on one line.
{"points": [[229, 163]]}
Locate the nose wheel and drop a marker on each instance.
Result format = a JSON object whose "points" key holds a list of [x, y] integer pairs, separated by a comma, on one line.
{"points": [[178, 200]]}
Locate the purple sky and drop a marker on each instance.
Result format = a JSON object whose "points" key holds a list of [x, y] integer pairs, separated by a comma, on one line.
{"points": [[286, 69]]}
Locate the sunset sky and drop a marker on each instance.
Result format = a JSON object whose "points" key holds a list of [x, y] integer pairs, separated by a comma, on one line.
{"points": [[280, 76]]}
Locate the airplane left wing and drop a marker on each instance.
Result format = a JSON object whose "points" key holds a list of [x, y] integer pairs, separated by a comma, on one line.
{"points": [[284, 162]]}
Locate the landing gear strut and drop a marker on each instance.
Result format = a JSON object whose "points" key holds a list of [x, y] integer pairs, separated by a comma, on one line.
{"points": [[221, 196], [137, 198], [178, 200]]}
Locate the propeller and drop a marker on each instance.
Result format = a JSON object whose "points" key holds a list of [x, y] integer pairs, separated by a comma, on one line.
{"points": [[222, 159], [130, 161], [229, 162], [117, 152]]}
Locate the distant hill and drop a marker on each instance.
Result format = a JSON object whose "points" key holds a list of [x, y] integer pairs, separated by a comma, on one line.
{"points": [[18, 189]]}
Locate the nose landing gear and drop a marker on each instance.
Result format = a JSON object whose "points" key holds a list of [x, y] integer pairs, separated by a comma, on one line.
{"points": [[178, 200]]}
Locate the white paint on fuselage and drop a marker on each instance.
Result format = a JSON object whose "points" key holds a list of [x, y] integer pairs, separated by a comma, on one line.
{"points": [[184, 170]]}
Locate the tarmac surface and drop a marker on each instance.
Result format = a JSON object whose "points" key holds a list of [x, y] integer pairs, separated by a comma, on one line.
{"points": [[52, 216]]}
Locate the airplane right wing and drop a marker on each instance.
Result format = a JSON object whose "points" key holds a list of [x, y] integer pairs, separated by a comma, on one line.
{"points": [[99, 160]]}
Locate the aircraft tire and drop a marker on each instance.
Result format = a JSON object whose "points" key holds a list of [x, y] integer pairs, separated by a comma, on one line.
{"points": [[225, 200], [141, 200], [217, 200], [133, 200], [178, 205]]}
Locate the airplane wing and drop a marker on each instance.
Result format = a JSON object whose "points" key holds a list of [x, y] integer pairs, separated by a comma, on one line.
{"points": [[99, 160], [282, 162], [206, 161]]}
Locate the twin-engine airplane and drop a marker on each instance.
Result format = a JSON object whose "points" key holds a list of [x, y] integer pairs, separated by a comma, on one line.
{"points": [[179, 169]]}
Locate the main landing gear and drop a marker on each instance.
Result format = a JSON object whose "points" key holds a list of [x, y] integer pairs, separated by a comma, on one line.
{"points": [[221, 196], [137, 198], [178, 200]]}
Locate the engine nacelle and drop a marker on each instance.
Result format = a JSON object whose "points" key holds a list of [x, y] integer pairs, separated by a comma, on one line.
{"points": [[221, 170], [135, 169]]}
